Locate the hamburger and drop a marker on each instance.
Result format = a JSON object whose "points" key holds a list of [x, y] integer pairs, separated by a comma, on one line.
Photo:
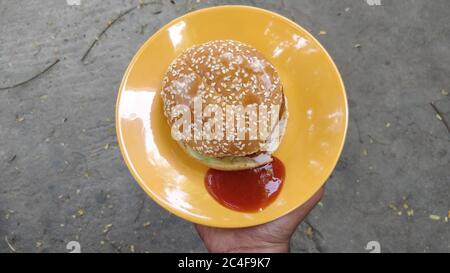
{"points": [[244, 88]]}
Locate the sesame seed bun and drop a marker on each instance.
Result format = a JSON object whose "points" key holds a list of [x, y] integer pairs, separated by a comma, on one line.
{"points": [[225, 73]]}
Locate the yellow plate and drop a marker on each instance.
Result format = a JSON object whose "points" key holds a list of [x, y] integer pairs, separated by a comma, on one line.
{"points": [[316, 128]]}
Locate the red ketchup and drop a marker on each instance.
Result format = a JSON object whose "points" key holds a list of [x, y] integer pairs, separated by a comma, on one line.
{"points": [[248, 190]]}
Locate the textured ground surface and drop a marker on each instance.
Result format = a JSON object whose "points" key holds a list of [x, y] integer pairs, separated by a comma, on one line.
{"points": [[62, 177]]}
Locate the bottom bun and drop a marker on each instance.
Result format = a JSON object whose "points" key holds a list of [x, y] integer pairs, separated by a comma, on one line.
{"points": [[230, 163]]}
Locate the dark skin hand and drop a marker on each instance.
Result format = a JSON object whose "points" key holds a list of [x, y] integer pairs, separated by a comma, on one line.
{"points": [[270, 237]]}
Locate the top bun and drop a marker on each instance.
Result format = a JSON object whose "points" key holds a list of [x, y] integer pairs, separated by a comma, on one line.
{"points": [[225, 73]]}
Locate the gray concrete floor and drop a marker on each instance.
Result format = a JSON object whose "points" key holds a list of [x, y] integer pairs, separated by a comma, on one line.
{"points": [[62, 177]]}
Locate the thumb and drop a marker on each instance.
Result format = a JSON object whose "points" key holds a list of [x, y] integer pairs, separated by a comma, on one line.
{"points": [[295, 217]]}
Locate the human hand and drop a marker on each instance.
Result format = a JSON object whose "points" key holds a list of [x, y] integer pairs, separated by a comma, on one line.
{"points": [[270, 237]]}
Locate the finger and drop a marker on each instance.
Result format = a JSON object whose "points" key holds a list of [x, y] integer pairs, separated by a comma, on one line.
{"points": [[204, 231], [295, 217], [200, 229], [289, 221]]}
